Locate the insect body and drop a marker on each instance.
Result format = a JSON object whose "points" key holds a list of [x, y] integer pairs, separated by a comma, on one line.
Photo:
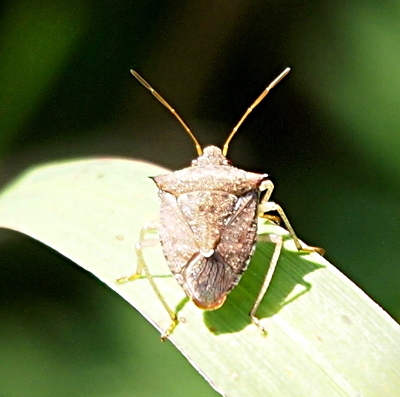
{"points": [[208, 223]]}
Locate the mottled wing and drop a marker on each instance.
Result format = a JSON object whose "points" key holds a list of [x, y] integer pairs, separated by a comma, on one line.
{"points": [[210, 278], [239, 235], [208, 238], [176, 237]]}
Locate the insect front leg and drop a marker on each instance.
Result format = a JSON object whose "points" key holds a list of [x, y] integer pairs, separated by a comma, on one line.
{"points": [[140, 245], [267, 206], [142, 267]]}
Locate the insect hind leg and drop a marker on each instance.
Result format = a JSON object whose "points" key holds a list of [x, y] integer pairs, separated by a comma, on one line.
{"points": [[277, 240], [142, 268]]}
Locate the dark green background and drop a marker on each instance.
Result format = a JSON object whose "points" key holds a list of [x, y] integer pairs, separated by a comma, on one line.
{"points": [[327, 135]]}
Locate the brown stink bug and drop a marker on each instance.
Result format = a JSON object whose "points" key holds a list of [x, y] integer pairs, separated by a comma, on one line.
{"points": [[208, 223]]}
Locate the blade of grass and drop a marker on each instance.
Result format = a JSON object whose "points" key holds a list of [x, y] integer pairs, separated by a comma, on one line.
{"points": [[325, 336]]}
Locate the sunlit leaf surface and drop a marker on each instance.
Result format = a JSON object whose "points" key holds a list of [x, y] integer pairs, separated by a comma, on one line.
{"points": [[325, 336]]}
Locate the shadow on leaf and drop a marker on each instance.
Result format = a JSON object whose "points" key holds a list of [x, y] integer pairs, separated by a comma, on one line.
{"points": [[292, 267]]}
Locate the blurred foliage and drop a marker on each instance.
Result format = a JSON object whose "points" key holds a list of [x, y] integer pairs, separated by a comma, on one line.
{"points": [[326, 135]]}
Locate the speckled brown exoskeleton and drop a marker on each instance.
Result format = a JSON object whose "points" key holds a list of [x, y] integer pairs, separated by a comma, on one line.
{"points": [[208, 223]]}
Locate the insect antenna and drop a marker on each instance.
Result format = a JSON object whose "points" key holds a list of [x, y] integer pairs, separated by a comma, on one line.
{"points": [[255, 103], [169, 107]]}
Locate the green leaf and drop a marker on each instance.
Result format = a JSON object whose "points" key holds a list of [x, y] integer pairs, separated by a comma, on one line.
{"points": [[325, 336]]}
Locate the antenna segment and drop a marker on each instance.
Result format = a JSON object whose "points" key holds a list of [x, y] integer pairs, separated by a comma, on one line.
{"points": [[249, 110], [170, 108], [185, 126]]}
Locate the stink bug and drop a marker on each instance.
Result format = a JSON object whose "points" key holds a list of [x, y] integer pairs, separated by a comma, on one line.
{"points": [[208, 223]]}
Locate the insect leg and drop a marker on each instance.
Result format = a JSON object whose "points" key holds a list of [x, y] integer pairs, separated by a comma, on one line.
{"points": [[267, 206], [140, 245], [143, 268], [267, 280]]}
